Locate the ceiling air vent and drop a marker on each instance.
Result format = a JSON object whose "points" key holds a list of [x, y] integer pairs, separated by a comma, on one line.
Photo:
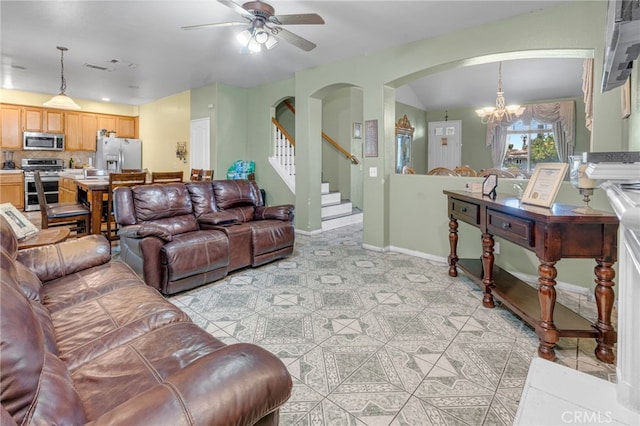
{"points": [[97, 67]]}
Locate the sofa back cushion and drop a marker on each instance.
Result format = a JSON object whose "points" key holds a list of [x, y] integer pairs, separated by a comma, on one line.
{"points": [[36, 386], [166, 205], [236, 193], [202, 198]]}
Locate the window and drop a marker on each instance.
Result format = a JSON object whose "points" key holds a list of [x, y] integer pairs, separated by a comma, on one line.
{"points": [[530, 144]]}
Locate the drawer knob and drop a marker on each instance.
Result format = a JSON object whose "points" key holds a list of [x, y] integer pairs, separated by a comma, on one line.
{"points": [[463, 209], [506, 225]]}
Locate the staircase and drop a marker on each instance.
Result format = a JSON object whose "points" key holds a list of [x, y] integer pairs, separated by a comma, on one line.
{"points": [[335, 211]]}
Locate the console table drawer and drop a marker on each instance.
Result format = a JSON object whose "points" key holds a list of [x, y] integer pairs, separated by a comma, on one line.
{"points": [[514, 229], [467, 212]]}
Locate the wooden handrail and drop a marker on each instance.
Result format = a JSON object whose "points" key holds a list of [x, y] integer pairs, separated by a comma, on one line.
{"points": [[284, 132], [326, 137], [335, 144]]}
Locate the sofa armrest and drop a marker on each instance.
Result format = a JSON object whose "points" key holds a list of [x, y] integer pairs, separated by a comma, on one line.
{"points": [[57, 260], [235, 385], [218, 218], [283, 212], [145, 230]]}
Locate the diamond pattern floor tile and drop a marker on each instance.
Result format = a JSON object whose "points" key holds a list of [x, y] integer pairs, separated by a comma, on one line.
{"points": [[375, 338]]}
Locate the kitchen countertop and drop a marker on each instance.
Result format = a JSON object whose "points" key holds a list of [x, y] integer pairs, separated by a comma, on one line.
{"points": [[10, 171]]}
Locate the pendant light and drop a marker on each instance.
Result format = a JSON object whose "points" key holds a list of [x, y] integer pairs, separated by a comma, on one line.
{"points": [[61, 100]]}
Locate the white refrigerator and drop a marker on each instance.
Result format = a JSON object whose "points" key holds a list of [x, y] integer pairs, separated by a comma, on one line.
{"points": [[115, 154]]}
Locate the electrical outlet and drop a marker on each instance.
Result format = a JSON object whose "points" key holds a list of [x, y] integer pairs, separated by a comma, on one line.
{"points": [[496, 248]]}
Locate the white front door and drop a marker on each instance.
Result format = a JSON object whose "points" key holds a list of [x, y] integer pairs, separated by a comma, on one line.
{"points": [[199, 144], [445, 144]]}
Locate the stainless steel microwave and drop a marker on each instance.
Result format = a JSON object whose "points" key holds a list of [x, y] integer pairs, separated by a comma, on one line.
{"points": [[43, 141]]}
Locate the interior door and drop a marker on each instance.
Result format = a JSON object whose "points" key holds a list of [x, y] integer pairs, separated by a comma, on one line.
{"points": [[199, 144], [445, 144]]}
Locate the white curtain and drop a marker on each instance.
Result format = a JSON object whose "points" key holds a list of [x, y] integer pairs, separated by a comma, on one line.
{"points": [[497, 143], [587, 90], [561, 115]]}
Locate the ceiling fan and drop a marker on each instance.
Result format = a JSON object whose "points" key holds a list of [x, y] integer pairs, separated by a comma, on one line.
{"points": [[264, 26]]}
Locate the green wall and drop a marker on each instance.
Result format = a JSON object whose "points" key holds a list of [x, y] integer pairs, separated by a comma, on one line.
{"points": [[572, 27]]}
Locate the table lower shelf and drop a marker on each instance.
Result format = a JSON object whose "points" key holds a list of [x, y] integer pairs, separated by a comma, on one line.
{"points": [[522, 299]]}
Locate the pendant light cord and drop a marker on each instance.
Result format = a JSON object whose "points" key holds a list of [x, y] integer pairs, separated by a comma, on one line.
{"points": [[63, 82]]}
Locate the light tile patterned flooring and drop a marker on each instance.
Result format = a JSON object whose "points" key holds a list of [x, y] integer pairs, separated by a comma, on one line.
{"points": [[381, 338]]}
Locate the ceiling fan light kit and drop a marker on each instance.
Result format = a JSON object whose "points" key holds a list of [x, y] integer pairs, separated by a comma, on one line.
{"points": [[259, 15], [61, 100], [501, 113]]}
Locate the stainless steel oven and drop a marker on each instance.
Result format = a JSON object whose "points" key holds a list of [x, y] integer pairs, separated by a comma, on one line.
{"points": [[49, 170]]}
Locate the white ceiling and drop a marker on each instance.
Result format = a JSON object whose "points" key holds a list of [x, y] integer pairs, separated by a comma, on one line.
{"points": [[155, 58]]}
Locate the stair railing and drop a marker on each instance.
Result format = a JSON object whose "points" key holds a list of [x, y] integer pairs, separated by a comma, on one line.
{"points": [[351, 157], [284, 151]]}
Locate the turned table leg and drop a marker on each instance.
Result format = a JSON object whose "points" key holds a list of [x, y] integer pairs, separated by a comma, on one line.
{"points": [[453, 244], [487, 268], [549, 335], [604, 302]]}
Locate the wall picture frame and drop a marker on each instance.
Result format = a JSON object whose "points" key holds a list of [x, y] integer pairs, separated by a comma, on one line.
{"points": [[544, 184]]}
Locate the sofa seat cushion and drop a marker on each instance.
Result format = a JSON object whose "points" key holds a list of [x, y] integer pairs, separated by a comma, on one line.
{"points": [[271, 235], [110, 320], [195, 253], [131, 369]]}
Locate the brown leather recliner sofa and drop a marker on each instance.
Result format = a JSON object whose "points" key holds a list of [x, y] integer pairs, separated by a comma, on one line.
{"points": [[182, 235], [85, 341]]}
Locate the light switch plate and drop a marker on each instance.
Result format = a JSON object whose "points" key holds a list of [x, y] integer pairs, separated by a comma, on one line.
{"points": [[373, 172]]}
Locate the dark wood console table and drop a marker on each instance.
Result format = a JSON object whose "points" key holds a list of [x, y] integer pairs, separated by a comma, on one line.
{"points": [[552, 234]]}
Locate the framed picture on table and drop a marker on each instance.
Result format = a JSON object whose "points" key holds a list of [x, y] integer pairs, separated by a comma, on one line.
{"points": [[544, 184]]}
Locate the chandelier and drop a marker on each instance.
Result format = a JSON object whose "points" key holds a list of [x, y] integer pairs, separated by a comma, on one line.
{"points": [[501, 113], [61, 100]]}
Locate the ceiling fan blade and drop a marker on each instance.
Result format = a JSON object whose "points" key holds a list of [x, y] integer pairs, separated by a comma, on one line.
{"points": [[299, 19], [235, 6], [294, 39], [220, 24]]}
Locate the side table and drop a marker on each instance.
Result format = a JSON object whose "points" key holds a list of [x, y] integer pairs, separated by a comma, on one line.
{"points": [[45, 237]]}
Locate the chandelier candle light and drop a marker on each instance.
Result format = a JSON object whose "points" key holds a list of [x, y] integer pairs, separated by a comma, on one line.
{"points": [[501, 112], [61, 100]]}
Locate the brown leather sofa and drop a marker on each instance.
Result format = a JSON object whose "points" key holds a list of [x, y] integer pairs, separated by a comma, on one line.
{"points": [[182, 235], [85, 341]]}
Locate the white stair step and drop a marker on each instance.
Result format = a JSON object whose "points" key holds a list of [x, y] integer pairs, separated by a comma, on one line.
{"points": [[355, 216], [336, 209], [324, 188], [330, 198]]}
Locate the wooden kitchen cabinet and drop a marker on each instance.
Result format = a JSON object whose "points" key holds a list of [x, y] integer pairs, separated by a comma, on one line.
{"points": [[126, 127], [11, 123], [107, 122], [81, 131], [33, 119], [67, 190], [53, 121], [42, 120], [12, 189]]}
